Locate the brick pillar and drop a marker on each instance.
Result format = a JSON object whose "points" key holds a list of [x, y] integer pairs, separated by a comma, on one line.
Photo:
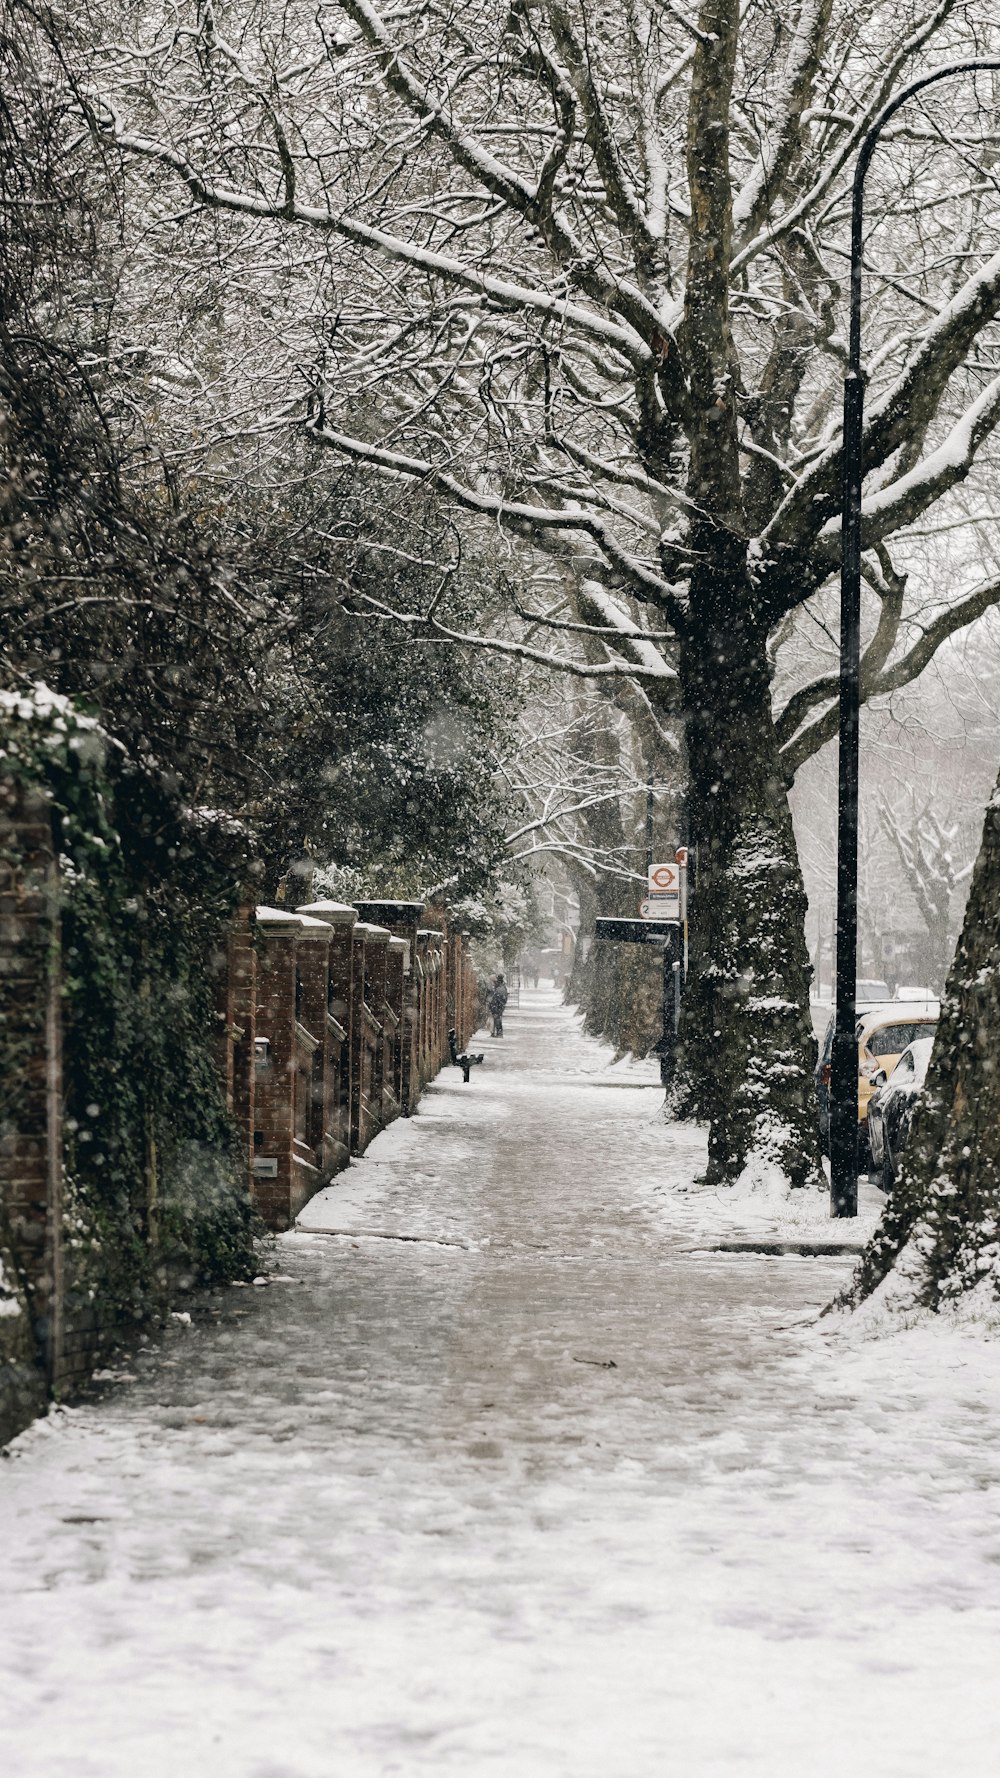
{"points": [[314, 975], [451, 953], [436, 1042], [273, 1163], [360, 1069], [31, 1133], [471, 997], [341, 920], [442, 1033], [419, 1013], [426, 1005], [236, 1010], [402, 919], [409, 1086], [458, 954], [431, 966], [395, 1026], [376, 959]]}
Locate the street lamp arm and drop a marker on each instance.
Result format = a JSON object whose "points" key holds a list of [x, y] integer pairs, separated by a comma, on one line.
{"points": [[844, 1132], [869, 143]]}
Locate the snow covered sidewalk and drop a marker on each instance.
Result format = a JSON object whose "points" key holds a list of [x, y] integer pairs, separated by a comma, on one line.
{"points": [[505, 1473]]}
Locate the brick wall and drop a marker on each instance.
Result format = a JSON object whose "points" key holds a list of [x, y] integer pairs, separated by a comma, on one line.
{"points": [[328, 1026]]}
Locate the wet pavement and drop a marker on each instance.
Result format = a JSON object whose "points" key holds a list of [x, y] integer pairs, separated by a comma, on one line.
{"points": [[511, 1479]]}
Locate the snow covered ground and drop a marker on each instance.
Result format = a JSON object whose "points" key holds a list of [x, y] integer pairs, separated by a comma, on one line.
{"points": [[516, 1478]]}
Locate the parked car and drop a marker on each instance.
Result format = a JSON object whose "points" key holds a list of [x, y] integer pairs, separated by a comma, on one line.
{"points": [[883, 1032], [891, 1108], [868, 993]]}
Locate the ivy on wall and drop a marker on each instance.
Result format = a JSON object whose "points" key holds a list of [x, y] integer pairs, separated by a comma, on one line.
{"points": [[156, 1195]]}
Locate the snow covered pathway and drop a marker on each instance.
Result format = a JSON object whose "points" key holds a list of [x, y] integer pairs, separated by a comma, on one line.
{"points": [[540, 1493]]}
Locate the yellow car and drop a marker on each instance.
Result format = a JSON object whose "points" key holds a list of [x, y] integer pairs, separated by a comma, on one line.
{"points": [[884, 1031]]}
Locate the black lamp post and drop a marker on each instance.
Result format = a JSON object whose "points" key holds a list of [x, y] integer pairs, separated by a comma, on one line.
{"points": [[844, 1068]]}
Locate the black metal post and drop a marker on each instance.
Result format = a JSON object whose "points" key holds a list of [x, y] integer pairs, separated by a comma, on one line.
{"points": [[671, 1004], [649, 833], [844, 1061]]}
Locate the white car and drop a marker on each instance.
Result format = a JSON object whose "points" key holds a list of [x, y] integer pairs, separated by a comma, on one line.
{"points": [[890, 1110]]}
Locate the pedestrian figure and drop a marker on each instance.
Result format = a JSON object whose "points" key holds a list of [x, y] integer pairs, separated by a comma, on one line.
{"points": [[496, 1000]]}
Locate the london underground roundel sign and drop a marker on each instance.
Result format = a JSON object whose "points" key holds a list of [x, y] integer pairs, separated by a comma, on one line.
{"points": [[664, 879]]}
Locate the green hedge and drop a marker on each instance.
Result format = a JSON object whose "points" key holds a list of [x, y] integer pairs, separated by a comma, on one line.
{"points": [[156, 1194]]}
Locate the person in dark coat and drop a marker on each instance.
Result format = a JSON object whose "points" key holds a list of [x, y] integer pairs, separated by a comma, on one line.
{"points": [[496, 1000]]}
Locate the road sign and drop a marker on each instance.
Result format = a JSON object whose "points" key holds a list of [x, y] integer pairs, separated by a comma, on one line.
{"points": [[663, 900], [636, 932], [661, 907], [664, 879], [681, 856]]}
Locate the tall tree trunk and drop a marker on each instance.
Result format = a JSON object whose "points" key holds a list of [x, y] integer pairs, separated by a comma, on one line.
{"points": [[747, 1042], [941, 1231]]}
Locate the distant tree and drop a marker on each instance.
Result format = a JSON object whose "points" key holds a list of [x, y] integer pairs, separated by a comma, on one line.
{"points": [[503, 924], [582, 765], [926, 848]]}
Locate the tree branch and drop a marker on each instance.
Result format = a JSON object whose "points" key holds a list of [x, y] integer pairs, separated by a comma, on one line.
{"points": [[506, 294], [534, 523], [910, 665]]}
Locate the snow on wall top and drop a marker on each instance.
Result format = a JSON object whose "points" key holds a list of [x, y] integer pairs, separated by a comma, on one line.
{"points": [[335, 913], [312, 928], [278, 917]]}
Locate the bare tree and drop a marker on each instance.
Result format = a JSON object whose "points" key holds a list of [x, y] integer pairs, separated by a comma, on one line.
{"points": [[578, 270], [926, 846]]}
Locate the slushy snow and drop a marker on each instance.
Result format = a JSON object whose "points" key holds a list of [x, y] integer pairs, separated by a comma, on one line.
{"points": [[503, 1471]]}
